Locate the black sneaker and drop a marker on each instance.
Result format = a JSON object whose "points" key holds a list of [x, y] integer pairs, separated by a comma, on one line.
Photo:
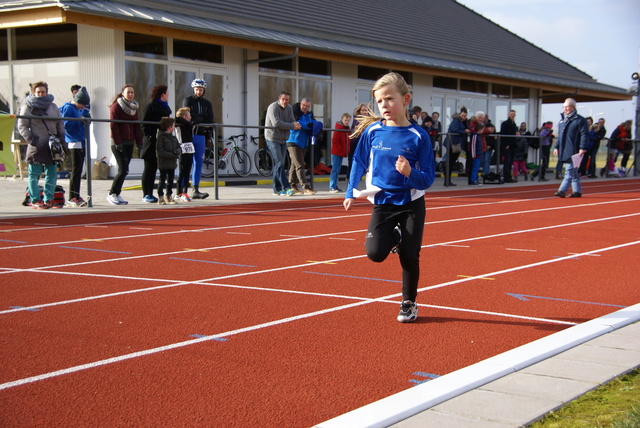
{"points": [[396, 235], [560, 194], [575, 195], [408, 311]]}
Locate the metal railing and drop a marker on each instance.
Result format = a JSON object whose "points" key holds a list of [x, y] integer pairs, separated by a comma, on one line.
{"points": [[215, 126]]}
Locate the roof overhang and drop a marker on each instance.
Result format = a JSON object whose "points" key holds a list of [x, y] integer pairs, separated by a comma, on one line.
{"points": [[144, 20]]}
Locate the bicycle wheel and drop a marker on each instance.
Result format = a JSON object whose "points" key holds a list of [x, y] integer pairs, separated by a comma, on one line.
{"points": [[264, 162], [208, 165], [241, 162]]}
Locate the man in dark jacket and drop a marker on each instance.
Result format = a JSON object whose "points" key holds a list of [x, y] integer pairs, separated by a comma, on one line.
{"points": [[572, 139], [508, 144], [201, 112]]}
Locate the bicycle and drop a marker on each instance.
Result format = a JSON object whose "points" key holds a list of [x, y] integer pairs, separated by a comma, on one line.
{"points": [[239, 158], [262, 158]]}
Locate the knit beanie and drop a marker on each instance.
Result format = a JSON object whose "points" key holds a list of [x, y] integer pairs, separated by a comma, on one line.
{"points": [[82, 97]]}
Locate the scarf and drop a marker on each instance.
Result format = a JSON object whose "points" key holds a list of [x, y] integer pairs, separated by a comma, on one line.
{"points": [[129, 108], [39, 105]]}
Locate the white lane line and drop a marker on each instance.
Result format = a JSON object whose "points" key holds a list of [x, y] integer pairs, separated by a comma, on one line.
{"points": [[341, 217], [362, 301], [278, 269]]}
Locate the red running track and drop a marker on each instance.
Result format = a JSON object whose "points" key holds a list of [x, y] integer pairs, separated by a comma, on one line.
{"points": [[269, 315]]}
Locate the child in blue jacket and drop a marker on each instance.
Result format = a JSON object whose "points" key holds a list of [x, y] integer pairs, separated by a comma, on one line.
{"points": [[398, 157]]}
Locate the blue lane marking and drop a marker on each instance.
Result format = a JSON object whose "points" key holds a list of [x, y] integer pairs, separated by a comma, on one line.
{"points": [[208, 261], [17, 242], [199, 336], [427, 376], [526, 298], [23, 307], [353, 277], [93, 249]]}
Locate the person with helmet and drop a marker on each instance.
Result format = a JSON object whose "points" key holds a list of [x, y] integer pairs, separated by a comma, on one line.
{"points": [[201, 112]]}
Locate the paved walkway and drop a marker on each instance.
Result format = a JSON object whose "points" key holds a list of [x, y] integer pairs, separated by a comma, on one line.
{"points": [[509, 390]]}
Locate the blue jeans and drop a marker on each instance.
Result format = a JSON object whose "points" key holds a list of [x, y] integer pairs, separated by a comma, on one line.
{"points": [[571, 177], [336, 166], [279, 153], [475, 167], [486, 161], [50, 179]]}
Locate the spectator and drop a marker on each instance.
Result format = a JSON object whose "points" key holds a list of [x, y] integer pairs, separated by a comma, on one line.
{"points": [[296, 145], [602, 131], [123, 137], [620, 141], [592, 136], [572, 139], [36, 133], [361, 111], [520, 153], [339, 150], [475, 149], [167, 153], [458, 130], [279, 121], [184, 133], [156, 110], [435, 131], [508, 130], [201, 112], [399, 158], [76, 142], [546, 140]]}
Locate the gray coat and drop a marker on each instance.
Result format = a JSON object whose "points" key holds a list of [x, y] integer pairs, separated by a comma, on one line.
{"points": [[280, 118], [36, 134]]}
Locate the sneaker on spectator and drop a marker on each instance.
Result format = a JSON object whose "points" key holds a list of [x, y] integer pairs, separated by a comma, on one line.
{"points": [[408, 311], [39, 205], [161, 201], [309, 191], [148, 199], [170, 200], [335, 190], [113, 199], [122, 201], [73, 203], [184, 197], [81, 202], [53, 204]]}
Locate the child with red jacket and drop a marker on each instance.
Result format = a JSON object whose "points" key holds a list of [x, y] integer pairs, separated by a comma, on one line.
{"points": [[339, 151]]}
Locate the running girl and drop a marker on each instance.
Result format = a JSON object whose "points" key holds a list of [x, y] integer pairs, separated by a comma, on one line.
{"points": [[399, 158]]}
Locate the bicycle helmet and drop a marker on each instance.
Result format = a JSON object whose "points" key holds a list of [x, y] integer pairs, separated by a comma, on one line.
{"points": [[199, 83]]}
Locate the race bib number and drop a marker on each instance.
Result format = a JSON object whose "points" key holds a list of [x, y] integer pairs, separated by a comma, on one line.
{"points": [[187, 148]]}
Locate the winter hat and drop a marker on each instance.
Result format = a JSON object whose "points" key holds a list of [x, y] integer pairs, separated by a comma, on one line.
{"points": [[82, 97]]}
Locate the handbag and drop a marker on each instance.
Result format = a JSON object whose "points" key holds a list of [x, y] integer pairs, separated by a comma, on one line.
{"points": [[55, 145], [456, 148]]}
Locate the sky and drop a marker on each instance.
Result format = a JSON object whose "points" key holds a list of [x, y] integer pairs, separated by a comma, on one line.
{"points": [[599, 37]]}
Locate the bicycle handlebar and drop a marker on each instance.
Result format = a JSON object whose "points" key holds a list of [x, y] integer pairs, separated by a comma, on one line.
{"points": [[253, 139]]}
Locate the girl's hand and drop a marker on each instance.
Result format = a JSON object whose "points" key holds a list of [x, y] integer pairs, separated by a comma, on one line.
{"points": [[403, 166], [348, 202]]}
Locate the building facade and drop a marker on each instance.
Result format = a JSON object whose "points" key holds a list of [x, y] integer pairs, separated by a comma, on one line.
{"points": [[247, 59]]}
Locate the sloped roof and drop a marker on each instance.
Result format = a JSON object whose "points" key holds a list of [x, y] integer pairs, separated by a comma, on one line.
{"points": [[435, 34]]}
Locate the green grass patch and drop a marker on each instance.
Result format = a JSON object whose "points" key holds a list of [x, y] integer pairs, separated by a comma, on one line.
{"points": [[615, 405]]}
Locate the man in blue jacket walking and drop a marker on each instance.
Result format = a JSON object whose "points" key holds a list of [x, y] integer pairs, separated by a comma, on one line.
{"points": [[572, 139]]}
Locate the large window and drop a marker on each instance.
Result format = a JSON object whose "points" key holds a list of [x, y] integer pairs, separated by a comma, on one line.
{"points": [[144, 76], [5, 89], [145, 46], [4, 47], [47, 41], [197, 51]]}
